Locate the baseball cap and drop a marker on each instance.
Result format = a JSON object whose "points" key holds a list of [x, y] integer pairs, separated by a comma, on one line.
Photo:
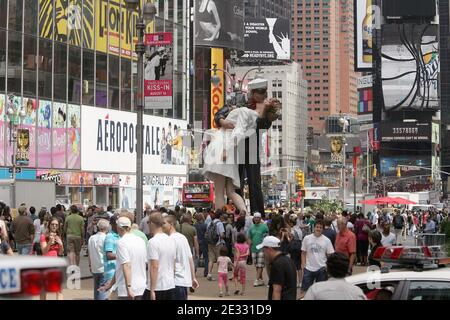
{"points": [[257, 215], [124, 222], [270, 241]]}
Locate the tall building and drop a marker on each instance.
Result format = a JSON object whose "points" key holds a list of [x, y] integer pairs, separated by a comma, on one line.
{"points": [[323, 43], [73, 70], [285, 145], [268, 8]]}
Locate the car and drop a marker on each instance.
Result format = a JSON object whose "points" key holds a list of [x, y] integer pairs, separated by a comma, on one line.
{"points": [[404, 284], [23, 277]]}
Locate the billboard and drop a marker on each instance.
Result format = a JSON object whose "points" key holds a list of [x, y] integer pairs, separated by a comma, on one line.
{"points": [[158, 71], [405, 132], [219, 23], [108, 142], [409, 163], [365, 97], [267, 39], [217, 92], [23, 147], [410, 66], [3, 125], [365, 14], [44, 134], [59, 135]]}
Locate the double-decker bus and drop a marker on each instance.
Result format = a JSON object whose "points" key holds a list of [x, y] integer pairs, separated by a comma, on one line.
{"points": [[198, 194]]}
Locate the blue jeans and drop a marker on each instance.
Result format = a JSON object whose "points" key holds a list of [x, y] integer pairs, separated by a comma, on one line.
{"points": [[309, 277], [203, 246], [99, 281], [180, 293], [24, 249]]}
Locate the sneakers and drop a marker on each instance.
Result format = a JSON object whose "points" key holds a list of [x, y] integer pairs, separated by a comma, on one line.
{"points": [[220, 294], [209, 277], [258, 283]]}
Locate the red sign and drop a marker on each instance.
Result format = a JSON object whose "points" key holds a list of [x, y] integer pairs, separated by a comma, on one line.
{"points": [[158, 39], [158, 88]]}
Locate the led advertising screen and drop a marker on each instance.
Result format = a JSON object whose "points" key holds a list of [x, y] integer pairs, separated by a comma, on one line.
{"points": [[410, 67], [365, 14], [410, 165]]}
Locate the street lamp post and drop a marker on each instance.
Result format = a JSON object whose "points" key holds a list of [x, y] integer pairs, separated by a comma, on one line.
{"points": [[15, 118], [146, 14]]}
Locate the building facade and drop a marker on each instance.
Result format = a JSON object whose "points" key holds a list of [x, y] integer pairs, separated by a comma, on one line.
{"points": [[323, 43], [268, 9], [71, 65]]}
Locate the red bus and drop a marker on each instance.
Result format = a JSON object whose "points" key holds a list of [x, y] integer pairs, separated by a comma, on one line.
{"points": [[198, 194]]}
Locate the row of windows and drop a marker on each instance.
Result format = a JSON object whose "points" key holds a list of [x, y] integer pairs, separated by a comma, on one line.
{"points": [[317, 67], [315, 60], [316, 74], [318, 109], [325, 18]]}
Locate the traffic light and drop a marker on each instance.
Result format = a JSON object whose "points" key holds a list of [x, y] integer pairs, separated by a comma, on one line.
{"points": [[399, 172], [300, 178]]}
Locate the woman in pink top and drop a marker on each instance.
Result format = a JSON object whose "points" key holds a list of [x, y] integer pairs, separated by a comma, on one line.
{"points": [[241, 253], [52, 246], [223, 262]]}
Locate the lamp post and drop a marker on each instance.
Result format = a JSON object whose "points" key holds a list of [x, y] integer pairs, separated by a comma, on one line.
{"points": [[146, 13], [344, 123], [15, 116]]}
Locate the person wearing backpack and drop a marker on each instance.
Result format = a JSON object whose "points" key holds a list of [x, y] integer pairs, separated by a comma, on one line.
{"points": [[228, 227], [398, 223], [215, 237]]}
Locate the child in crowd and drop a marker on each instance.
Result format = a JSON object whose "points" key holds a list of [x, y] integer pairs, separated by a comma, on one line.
{"points": [[240, 259], [224, 262]]}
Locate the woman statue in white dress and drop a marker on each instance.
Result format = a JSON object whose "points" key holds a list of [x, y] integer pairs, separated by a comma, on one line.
{"points": [[221, 164]]}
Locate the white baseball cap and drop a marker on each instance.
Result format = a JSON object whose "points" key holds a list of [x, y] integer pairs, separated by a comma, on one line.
{"points": [[124, 222], [270, 241], [257, 215]]}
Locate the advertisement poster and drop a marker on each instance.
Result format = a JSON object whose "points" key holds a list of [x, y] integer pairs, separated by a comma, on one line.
{"points": [[219, 23], [217, 92], [365, 14], [158, 71], [23, 147], [389, 165], [17, 102], [29, 123], [3, 126], [267, 39], [73, 137], [59, 135], [44, 137], [410, 66], [108, 142]]}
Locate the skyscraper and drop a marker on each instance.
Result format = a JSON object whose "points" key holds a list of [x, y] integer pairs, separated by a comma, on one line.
{"points": [[268, 8], [323, 43]]}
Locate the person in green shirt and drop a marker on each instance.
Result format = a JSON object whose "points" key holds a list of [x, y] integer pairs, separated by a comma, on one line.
{"points": [[256, 234], [74, 231]]}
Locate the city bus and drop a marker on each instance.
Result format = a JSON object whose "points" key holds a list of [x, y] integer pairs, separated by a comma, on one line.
{"points": [[198, 194]]}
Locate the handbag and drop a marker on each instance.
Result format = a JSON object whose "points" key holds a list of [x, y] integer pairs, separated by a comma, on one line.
{"points": [[366, 228]]}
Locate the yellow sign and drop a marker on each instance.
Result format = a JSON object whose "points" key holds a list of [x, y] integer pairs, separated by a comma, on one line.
{"points": [[217, 92], [116, 24]]}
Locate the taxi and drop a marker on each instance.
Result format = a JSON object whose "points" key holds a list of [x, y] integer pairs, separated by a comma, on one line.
{"points": [[22, 277]]}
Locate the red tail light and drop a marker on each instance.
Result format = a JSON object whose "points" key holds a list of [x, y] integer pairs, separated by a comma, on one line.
{"points": [[53, 279], [32, 282], [379, 252]]}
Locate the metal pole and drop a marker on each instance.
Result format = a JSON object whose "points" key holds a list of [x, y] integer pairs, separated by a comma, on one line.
{"points": [[343, 172], [367, 163], [354, 192], [13, 186], [140, 50]]}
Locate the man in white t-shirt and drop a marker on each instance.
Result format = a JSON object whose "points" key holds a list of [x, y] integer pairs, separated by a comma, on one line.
{"points": [[161, 257], [184, 263], [315, 248], [130, 277], [95, 252], [387, 237], [374, 219]]}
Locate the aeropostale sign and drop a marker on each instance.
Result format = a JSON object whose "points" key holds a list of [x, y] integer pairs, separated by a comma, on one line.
{"points": [[108, 142]]}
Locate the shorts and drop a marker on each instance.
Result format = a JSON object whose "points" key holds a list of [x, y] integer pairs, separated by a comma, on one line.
{"points": [[240, 271], [74, 244], [213, 253], [258, 259]]}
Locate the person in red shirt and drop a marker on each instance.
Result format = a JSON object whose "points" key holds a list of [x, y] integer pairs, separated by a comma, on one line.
{"points": [[346, 242]]}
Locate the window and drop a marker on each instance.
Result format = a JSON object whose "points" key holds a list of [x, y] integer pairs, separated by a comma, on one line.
{"points": [[429, 290], [15, 15], [316, 109], [2, 57], [60, 74], [113, 73], [88, 77], [29, 66], [14, 62], [101, 76], [321, 118], [45, 69], [280, 94], [74, 74], [3, 11]]}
